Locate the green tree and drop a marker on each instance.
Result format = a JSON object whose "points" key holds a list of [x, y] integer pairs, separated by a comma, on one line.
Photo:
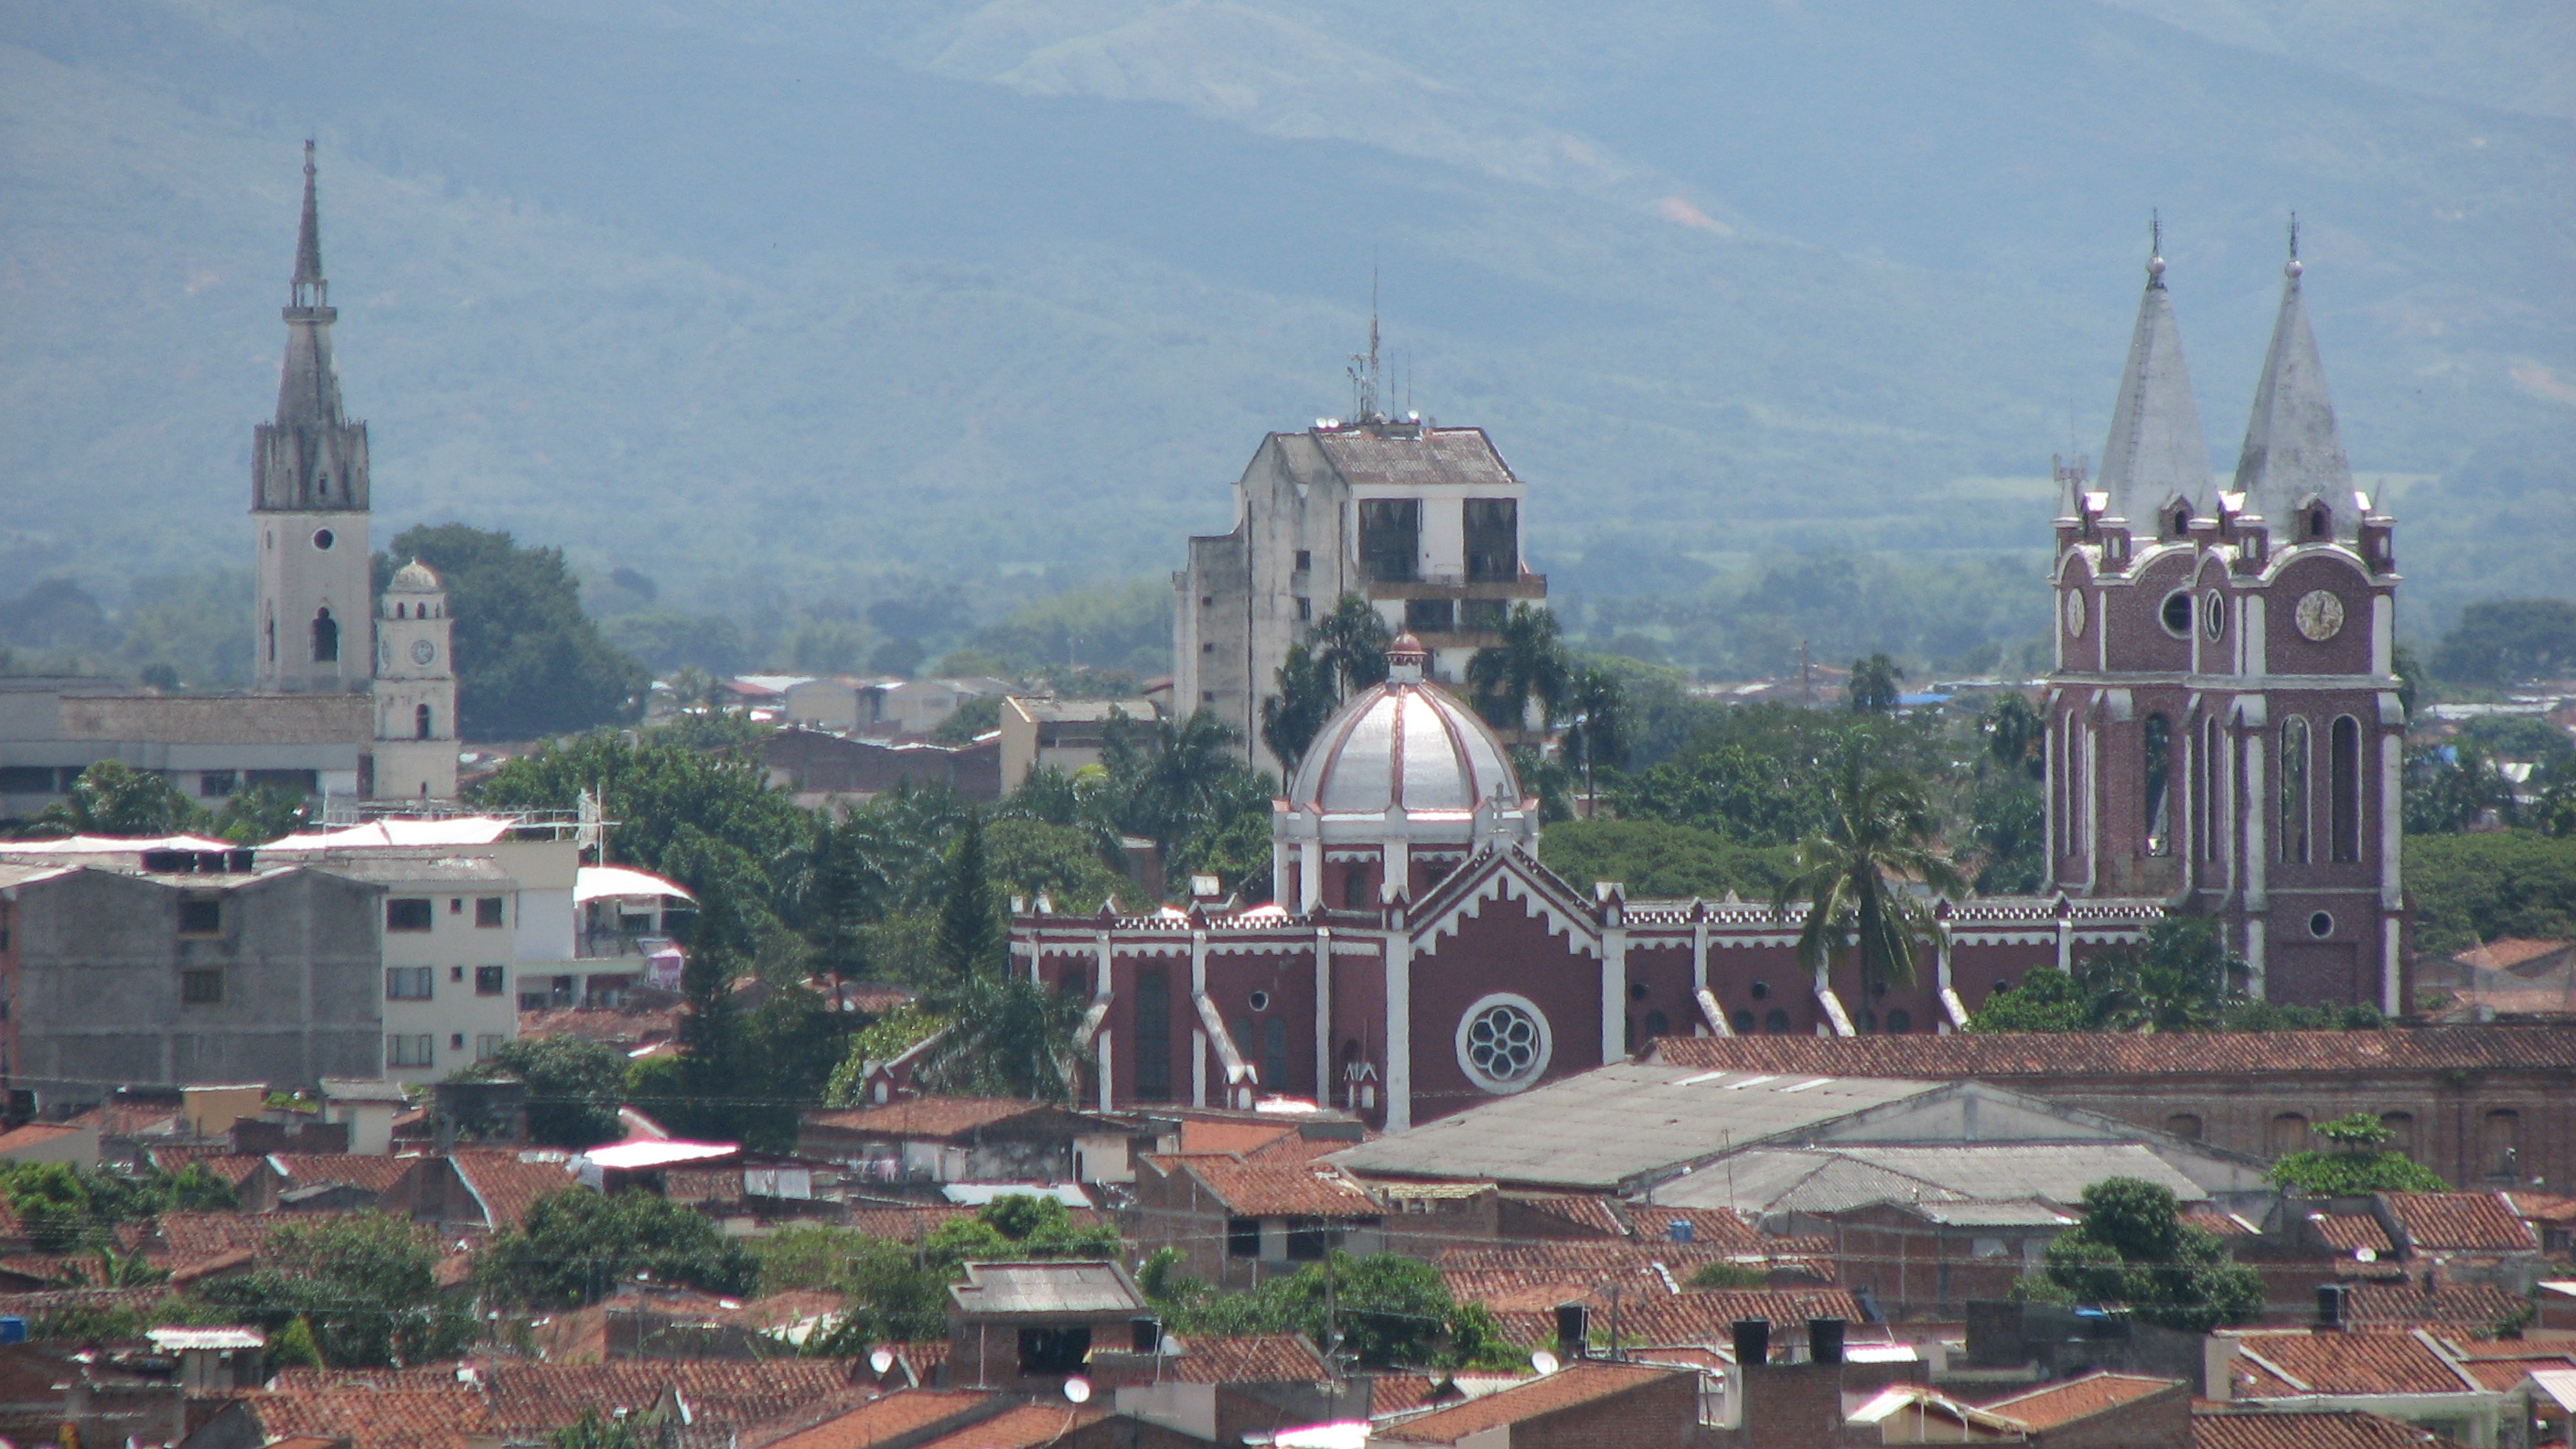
{"points": [[1391, 1311], [365, 1283], [2357, 1162], [1530, 670], [2472, 888], [1351, 643], [2449, 788], [2132, 1247], [2181, 978], [1660, 860], [574, 1086], [973, 717], [2016, 737], [2008, 823], [2046, 1000], [2508, 641], [1308, 693], [595, 1430], [577, 1246], [1879, 836], [1029, 857], [973, 936], [1873, 686], [263, 813], [529, 663], [113, 798], [1596, 707], [295, 1346]]}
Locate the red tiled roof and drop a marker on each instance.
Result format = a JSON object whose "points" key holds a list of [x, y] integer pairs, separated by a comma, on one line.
{"points": [[904, 1412], [2506, 952], [1588, 1211], [2307, 1429], [2457, 1221], [2503, 1373], [1022, 1428], [234, 1168], [2351, 1362], [1198, 1135], [927, 1116], [1268, 1190], [506, 1186], [187, 1237], [1568, 1387], [2211, 1220], [2063, 1403], [614, 1028], [2118, 1054], [415, 1416], [1393, 1393], [2348, 1232], [2542, 1207], [34, 1134], [371, 1172], [1252, 1358], [2405, 1303], [531, 1400]]}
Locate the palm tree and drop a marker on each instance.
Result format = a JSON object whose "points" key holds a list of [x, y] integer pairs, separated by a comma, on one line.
{"points": [[1350, 643], [1879, 833], [1873, 684], [1530, 664], [1307, 697]]}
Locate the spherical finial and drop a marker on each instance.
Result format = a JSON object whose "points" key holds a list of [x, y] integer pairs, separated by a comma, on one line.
{"points": [[2155, 268], [2293, 270]]}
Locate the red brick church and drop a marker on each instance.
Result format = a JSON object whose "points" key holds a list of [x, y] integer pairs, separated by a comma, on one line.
{"points": [[2224, 738]]}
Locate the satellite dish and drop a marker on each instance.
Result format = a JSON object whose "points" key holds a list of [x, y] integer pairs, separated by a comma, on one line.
{"points": [[1544, 1362], [881, 1360], [1078, 1390]]}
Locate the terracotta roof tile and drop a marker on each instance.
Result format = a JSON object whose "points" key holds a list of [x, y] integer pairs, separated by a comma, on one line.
{"points": [[2348, 1232], [2063, 1403], [1252, 1358], [369, 1171], [2353, 1362], [927, 1116], [2503, 1373], [531, 1400], [414, 1416], [1568, 1387], [188, 1237], [1589, 1211], [2506, 952], [507, 1186], [2164, 1053], [2307, 1429], [615, 1028], [904, 1412], [1198, 1135], [2405, 1303], [2224, 1224], [1265, 1190], [234, 1168], [1395, 1393], [1022, 1428], [2542, 1207], [2458, 1221]]}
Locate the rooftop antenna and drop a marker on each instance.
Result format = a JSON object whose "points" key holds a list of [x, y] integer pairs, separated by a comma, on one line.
{"points": [[1363, 368]]}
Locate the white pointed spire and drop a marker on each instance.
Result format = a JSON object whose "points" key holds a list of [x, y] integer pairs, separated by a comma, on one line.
{"points": [[2156, 452], [2292, 449]]}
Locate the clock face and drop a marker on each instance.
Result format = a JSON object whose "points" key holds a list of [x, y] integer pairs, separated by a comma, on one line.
{"points": [[2320, 615], [2075, 614], [422, 651], [2213, 614]]}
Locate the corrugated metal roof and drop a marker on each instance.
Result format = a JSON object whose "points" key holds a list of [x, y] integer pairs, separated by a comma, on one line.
{"points": [[1616, 1123], [1075, 1287]]}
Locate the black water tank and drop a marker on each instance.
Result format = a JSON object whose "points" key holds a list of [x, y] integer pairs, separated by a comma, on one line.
{"points": [[1573, 1329], [1752, 1341], [1824, 1340]]}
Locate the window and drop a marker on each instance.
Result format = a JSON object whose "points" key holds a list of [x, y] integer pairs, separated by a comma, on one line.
{"points": [[456, 905], [420, 723], [407, 1050], [326, 637], [1742, 1021], [2213, 788], [200, 916], [1243, 1237], [201, 987], [456, 973], [1305, 560], [456, 1041], [2184, 1125], [1988, 1248], [2175, 613], [1484, 614], [2343, 788], [488, 980], [1151, 1020], [1274, 1054], [1390, 539], [2289, 1133], [2158, 736], [1434, 616], [487, 1046], [487, 911], [408, 913], [215, 784], [1658, 1024], [407, 983], [1054, 1350], [1358, 892], [1777, 1023], [2500, 1146], [1309, 1240], [1305, 609], [2294, 790], [323, 538], [1493, 540]]}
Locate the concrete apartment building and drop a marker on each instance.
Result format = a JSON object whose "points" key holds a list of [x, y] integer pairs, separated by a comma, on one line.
{"points": [[1422, 521]]}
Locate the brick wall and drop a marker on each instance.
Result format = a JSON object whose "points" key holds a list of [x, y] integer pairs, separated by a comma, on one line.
{"points": [[1664, 1411]]}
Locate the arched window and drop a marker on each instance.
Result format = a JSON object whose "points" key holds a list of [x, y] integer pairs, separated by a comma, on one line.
{"points": [[272, 641], [2184, 1125], [2289, 1133], [2343, 788], [2294, 790], [2181, 519], [1151, 1021], [2074, 788], [2213, 788], [2401, 1131], [1658, 1024], [2500, 1146], [1274, 1054], [1355, 889], [2320, 521], [2158, 738], [326, 637], [420, 723]]}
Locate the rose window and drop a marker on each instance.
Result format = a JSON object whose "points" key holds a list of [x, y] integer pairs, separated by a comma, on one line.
{"points": [[1503, 1043]]}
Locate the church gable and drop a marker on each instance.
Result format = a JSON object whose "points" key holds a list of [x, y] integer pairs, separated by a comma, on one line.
{"points": [[1497, 877]]}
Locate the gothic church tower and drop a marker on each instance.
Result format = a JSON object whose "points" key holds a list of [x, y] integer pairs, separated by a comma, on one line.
{"points": [[309, 503], [2224, 733]]}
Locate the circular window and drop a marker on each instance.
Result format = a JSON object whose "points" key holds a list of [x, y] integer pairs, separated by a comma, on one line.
{"points": [[1503, 1043], [2074, 614], [2213, 614], [1261, 1001], [422, 651], [1777, 1023], [1636, 991], [1743, 1021], [1761, 990], [2319, 616], [2321, 925], [323, 539], [2176, 613]]}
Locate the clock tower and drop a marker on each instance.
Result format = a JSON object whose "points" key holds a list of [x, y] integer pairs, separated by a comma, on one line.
{"points": [[415, 689]]}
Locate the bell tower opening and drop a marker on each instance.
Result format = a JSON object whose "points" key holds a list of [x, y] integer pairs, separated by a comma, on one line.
{"points": [[326, 638]]}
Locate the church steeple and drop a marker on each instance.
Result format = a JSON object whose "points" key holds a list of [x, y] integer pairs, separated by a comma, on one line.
{"points": [[308, 389], [2155, 461], [2293, 457]]}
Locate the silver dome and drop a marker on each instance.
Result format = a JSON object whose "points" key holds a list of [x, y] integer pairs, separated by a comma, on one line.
{"points": [[1405, 743]]}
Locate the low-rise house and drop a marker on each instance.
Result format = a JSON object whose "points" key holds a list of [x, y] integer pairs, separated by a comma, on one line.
{"points": [[2216, 1427], [1238, 1223], [816, 766], [74, 1144], [1032, 1326], [1579, 1405], [1061, 734], [2410, 1375], [1221, 1389], [962, 1139]]}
